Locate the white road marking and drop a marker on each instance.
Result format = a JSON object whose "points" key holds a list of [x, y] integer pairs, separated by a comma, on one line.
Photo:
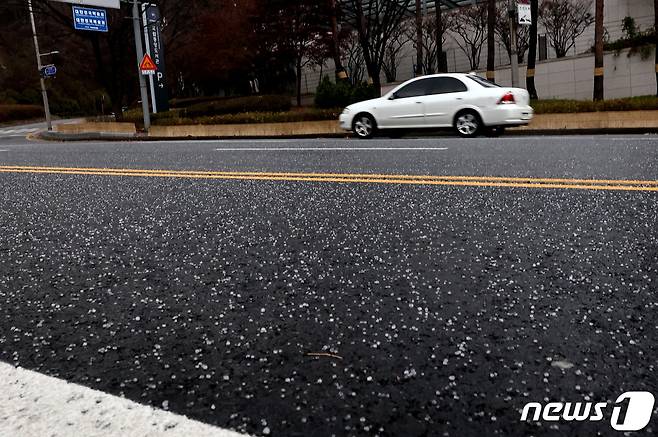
{"points": [[32, 404], [18, 131], [294, 149]]}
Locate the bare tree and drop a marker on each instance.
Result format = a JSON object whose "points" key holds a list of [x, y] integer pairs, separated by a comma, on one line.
{"points": [[335, 41], [428, 40], [501, 27], [353, 61], [442, 24], [471, 29], [396, 44], [598, 51], [375, 21], [565, 20]]}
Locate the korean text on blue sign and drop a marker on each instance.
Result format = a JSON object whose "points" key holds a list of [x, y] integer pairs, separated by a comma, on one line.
{"points": [[89, 19]]}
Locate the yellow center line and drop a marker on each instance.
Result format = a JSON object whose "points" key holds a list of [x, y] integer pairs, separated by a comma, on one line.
{"points": [[474, 181]]}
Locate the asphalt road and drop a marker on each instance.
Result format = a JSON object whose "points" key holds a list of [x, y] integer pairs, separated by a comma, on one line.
{"points": [[316, 307]]}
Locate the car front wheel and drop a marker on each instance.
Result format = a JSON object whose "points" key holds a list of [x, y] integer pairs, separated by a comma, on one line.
{"points": [[364, 126], [468, 124]]}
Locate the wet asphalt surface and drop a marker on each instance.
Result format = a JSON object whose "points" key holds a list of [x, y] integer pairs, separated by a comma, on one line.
{"points": [[444, 309]]}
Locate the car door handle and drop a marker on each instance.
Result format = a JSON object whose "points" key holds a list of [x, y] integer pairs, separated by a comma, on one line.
{"points": [[459, 98], [419, 103]]}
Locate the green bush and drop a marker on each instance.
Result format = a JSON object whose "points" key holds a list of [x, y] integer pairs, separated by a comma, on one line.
{"points": [[19, 112], [332, 95], [273, 103], [363, 91], [341, 94], [639, 42], [571, 106], [186, 102], [175, 117]]}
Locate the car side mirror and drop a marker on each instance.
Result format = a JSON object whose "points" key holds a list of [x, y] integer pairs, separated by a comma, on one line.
{"points": [[392, 97]]}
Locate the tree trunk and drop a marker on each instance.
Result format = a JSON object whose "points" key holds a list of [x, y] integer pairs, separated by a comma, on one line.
{"points": [[419, 38], [299, 81], [491, 42], [341, 73], [376, 83], [532, 51], [655, 29], [598, 51], [441, 61]]}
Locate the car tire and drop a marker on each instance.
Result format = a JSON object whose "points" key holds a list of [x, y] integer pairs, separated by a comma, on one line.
{"points": [[495, 131], [467, 123], [364, 126]]}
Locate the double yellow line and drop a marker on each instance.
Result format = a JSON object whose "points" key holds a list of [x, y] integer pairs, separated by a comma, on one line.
{"points": [[469, 181]]}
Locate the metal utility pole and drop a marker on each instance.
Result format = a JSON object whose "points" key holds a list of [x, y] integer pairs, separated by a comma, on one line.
{"points": [[514, 57], [140, 55], [44, 93]]}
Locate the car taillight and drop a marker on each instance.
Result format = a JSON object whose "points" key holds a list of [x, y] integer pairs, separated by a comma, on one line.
{"points": [[507, 99]]}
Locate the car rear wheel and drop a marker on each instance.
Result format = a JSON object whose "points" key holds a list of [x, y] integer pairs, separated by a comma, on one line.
{"points": [[364, 126], [467, 124]]}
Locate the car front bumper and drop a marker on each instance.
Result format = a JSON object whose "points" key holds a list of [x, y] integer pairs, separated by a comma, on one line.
{"points": [[345, 121]]}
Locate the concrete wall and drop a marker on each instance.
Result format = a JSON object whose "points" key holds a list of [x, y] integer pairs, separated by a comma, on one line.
{"points": [[572, 78], [569, 77]]}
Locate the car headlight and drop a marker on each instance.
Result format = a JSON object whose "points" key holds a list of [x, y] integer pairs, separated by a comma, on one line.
{"points": [[346, 111]]}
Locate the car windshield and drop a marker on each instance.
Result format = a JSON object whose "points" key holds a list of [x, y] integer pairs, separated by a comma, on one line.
{"points": [[482, 81]]}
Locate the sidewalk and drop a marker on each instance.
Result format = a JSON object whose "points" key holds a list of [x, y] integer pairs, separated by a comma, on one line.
{"points": [[34, 405], [542, 124]]}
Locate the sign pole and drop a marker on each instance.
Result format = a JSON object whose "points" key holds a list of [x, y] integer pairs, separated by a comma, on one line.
{"points": [[44, 93], [514, 57], [154, 104], [140, 54]]}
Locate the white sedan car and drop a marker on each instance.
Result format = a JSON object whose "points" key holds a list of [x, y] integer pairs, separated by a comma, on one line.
{"points": [[466, 102]]}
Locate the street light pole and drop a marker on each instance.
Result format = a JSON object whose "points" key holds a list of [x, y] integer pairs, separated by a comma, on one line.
{"points": [[140, 55], [44, 93]]}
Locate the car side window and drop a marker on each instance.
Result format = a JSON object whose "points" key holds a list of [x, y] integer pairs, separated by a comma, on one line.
{"points": [[444, 85], [414, 89]]}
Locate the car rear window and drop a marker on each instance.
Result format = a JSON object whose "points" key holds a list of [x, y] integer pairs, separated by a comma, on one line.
{"points": [[482, 81], [444, 85]]}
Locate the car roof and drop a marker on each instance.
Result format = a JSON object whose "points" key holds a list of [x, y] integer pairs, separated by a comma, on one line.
{"points": [[442, 75]]}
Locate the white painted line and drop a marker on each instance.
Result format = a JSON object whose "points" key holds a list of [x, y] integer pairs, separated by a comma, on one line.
{"points": [[32, 404], [314, 149]]}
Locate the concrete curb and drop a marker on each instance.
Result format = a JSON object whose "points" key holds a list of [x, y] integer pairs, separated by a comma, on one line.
{"points": [[84, 136]]}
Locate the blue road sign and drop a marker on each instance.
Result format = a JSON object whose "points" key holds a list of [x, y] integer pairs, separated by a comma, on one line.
{"points": [[49, 71], [89, 19]]}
